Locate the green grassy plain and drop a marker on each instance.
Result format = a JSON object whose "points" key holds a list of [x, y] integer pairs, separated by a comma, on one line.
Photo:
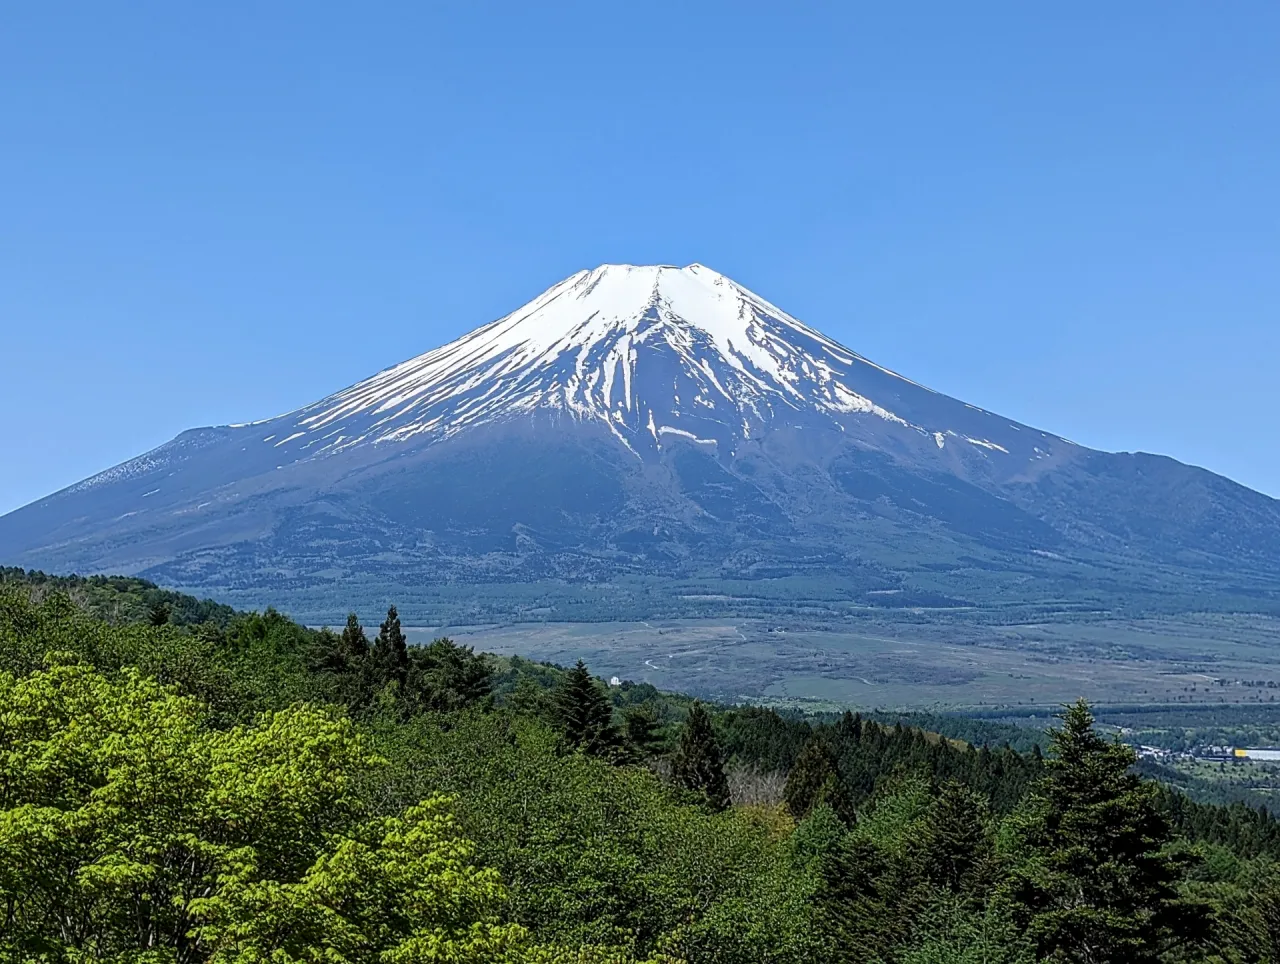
{"points": [[918, 661]]}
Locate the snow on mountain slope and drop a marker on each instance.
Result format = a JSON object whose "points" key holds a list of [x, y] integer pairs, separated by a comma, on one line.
{"points": [[647, 352], [651, 420]]}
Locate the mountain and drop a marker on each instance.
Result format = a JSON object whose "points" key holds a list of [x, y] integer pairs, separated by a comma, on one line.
{"points": [[664, 428]]}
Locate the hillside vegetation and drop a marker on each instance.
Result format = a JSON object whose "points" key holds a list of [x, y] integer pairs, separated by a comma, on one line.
{"points": [[183, 783]]}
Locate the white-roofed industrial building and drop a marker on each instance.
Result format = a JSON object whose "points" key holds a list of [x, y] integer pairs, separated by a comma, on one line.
{"points": [[1262, 754]]}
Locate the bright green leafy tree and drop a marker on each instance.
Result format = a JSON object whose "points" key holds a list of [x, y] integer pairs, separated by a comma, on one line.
{"points": [[130, 830], [120, 809]]}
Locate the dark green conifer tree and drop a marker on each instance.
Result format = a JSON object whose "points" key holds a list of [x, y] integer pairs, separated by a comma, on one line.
{"points": [[325, 654], [640, 730], [854, 904], [699, 765], [390, 653], [345, 658], [815, 779], [584, 714], [445, 676], [355, 645], [1263, 920], [1091, 878], [849, 730], [159, 614], [956, 845]]}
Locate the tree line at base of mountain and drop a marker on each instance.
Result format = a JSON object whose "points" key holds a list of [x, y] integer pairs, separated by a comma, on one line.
{"points": [[257, 791], [123, 599]]}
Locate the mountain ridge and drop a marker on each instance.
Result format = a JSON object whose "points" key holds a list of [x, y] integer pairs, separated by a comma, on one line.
{"points": [[656, 422]]}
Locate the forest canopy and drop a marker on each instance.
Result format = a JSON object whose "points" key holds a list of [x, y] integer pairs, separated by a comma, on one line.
{"points": [[240, 787]]}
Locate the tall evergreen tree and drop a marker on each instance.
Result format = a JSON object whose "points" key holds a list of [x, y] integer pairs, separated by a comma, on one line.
{"points": [[355, 645], [445, 676], [698, 763], [390, 653], [1091, 877], [815, 779], [640, 730], [854, 905], [159, 614], [849, 729], [584, 714], [344, 659], [956, 847]]}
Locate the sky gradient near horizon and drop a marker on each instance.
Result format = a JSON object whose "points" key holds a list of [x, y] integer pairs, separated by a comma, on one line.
{"points": [[1069, 216]]}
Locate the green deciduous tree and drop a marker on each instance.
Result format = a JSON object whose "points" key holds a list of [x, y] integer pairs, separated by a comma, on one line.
{"points": [[132, 831], [401, 890], [119, 808], [595, 853]]}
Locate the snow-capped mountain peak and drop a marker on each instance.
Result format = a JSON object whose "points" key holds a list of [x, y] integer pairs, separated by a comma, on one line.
{"points": [[644, 420], [645, 351]]}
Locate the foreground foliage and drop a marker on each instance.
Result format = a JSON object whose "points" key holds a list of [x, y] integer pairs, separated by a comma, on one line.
{"points": [[247, 789]]}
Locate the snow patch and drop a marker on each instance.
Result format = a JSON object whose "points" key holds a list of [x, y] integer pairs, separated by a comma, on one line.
{"points": [[986, 444], [668, 430]]}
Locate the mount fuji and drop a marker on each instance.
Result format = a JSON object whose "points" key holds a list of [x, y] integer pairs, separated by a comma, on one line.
{"points": [[656, 426]]}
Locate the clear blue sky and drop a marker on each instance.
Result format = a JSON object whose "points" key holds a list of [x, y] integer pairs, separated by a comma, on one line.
{"points": [[1066, 213]]}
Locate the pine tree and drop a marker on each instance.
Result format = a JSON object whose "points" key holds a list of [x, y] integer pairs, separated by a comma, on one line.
{"points": [[390, 653], [698, 763], [815, 779], [849, 729], [956, 844], [159, 614], [355, 645], [345, 658], [445, 676], [584, 714], [1266, 919], [1091, 879], [640, 730], [854, 905]]}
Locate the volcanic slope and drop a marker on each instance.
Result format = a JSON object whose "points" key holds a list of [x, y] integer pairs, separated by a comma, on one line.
{"points": [[657, 426]]}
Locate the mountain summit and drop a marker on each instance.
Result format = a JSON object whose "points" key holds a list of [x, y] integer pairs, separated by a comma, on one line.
{"points": [[660, 423], [642, 352], [629, 347]]}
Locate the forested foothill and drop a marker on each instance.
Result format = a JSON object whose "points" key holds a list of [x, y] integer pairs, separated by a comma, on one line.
{"points": [[182, 782]]}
